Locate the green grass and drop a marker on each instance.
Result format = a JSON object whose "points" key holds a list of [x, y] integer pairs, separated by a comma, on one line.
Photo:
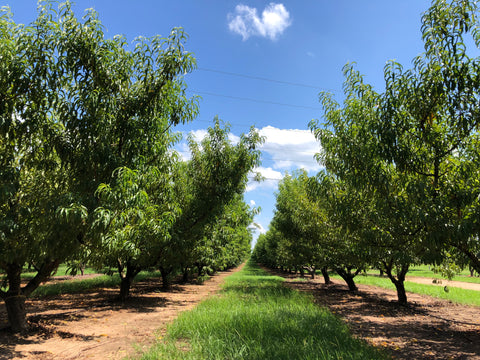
{"points": [[457, 295], [77, 286], [61, 271], [256, 317], [424, 271]]}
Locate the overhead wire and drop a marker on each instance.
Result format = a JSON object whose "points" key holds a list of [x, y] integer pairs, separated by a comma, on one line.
{"points": [[266, 79], [208, 93], [254, 100], [260, 78]]}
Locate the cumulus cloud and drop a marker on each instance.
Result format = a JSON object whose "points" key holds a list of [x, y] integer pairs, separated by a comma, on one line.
{"points": [[287, 149], [199, 135], [270, 177], [246, 22], [290, 148]]}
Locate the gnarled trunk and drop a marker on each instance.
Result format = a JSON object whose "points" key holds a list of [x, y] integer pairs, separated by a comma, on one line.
{"points": [[326, 276], [15, 299], [125, 284], [16, 295], [126, 279], [166, 281], [398, 281], [17, 316], [348, 277]]}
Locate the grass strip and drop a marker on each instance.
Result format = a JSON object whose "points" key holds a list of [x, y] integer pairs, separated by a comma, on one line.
{"points": [[456, 295], [425, 271], [256, 317], [77, 286]]}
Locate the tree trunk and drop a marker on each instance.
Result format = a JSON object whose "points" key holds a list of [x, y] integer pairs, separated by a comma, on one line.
{"points": [[401, 293], [398, 281], [348, 277], [16, 295], [125, 284], [126, 281], [166, 283], [186, 275], [326, 276], [15, 299], [17, 316]]}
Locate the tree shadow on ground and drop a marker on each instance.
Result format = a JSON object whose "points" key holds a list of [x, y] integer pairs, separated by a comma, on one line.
{"points": [[426, 328]]}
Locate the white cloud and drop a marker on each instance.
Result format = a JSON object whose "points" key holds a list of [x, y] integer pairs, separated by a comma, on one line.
{"points": [[234, 139], [291, 148], [199, 135], [252, 202], [288, 149], [271, 179], [246, 22]]}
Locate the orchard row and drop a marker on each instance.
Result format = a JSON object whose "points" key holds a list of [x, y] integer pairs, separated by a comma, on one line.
{"points": [[88, 174], [401, 183]]}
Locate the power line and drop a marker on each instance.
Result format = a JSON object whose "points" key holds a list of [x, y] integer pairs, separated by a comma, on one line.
{"points": [[255, 100], [245, 124], [266, 79]]}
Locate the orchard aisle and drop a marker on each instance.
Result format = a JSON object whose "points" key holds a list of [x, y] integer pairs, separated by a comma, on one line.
{"points": [[93, 326]]}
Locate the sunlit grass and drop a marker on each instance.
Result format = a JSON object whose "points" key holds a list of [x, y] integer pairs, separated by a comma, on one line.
{"points": [[75, 286], [81, 285], [457, 295], [61, 271], [256, 317], [425, 271]]}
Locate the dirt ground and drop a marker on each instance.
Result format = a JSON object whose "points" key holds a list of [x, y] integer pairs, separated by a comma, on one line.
{"points": [[427, 328], [95, 326]]}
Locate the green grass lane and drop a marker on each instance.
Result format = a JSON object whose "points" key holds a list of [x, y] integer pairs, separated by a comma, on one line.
{"points": [[256, 317]]}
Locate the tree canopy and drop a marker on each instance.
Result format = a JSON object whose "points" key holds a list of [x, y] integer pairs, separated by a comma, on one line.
{"points": [[75, 106]]}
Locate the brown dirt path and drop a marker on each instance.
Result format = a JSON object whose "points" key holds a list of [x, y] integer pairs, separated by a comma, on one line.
{"points": [[427, 328], [95, 326]]}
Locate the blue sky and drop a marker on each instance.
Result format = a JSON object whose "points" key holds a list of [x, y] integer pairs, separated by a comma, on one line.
{"points": [[263, 63]]}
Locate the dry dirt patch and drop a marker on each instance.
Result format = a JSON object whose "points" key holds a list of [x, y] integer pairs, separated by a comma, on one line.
{"points": [[96, 326]]}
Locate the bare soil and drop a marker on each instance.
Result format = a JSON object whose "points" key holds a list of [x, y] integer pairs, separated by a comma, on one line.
{"points": [[95, 325], [427, 328]]}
